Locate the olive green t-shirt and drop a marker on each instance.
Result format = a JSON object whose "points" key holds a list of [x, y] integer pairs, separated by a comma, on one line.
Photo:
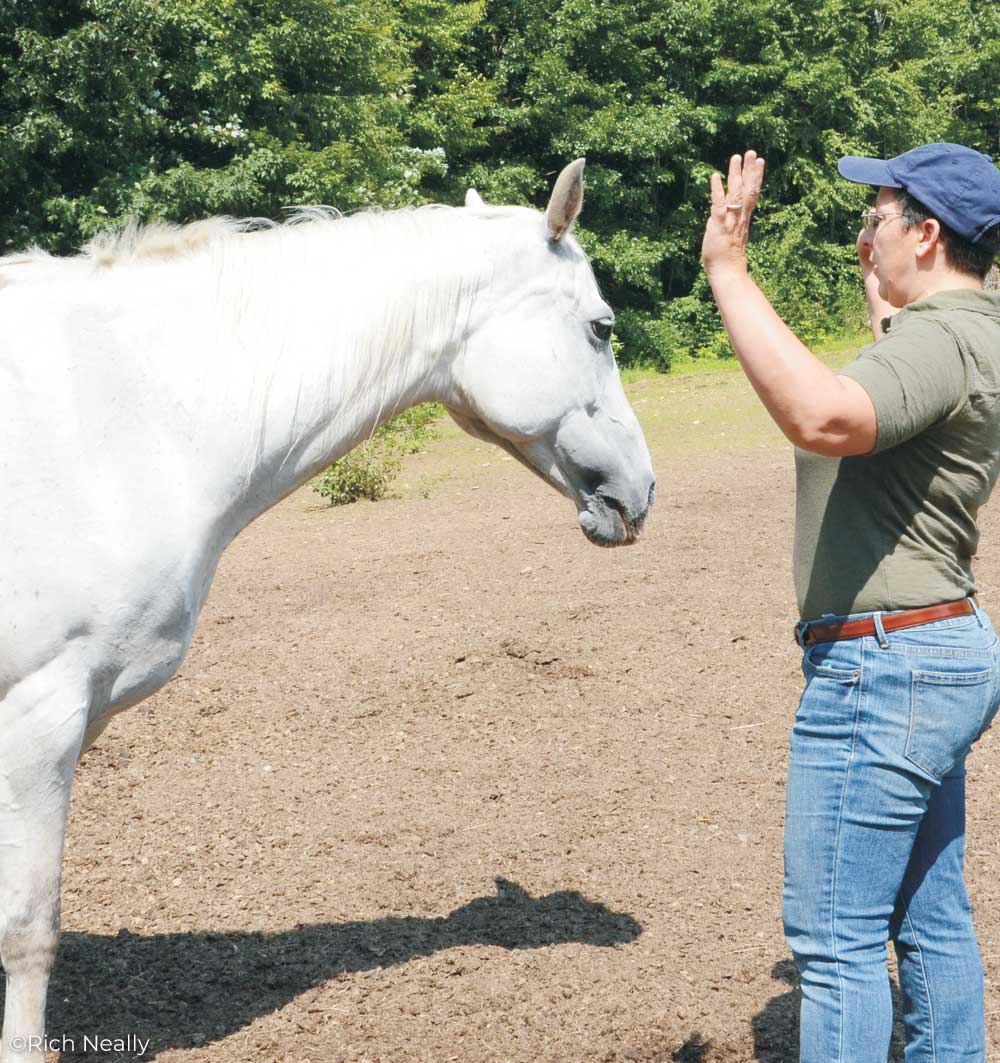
{"points": [[896, 528]]}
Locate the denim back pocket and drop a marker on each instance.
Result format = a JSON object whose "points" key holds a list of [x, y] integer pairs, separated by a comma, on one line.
{"points": [[948, 711]]}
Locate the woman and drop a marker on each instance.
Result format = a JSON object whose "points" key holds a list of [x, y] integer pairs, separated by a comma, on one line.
{"points": [[894, 456]]}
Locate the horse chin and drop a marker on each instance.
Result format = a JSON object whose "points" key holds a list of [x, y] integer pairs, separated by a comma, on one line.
{"points": [[602, 523]]}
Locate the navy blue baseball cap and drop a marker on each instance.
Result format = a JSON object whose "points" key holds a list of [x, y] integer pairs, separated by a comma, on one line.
{"points": [[959, 186]]}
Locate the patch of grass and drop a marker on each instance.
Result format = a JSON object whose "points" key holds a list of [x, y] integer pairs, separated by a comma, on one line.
{"points": [[713, 407], [834, 352], [414, 428], [841, 350]]}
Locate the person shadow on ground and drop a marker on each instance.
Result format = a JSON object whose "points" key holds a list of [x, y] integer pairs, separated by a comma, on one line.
{"points": [[190, 989], [776, 1026]]}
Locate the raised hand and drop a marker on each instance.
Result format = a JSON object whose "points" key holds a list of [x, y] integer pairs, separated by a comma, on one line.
{"points": [[725, 243]]}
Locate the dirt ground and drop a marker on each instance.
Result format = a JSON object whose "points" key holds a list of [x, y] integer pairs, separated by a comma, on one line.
{"points": [[440, 781]]}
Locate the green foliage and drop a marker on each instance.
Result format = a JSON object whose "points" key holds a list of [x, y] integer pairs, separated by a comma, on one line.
{"points": [[369, 470], [658, 93], [182, 108], [176, 109], [414, 428]]}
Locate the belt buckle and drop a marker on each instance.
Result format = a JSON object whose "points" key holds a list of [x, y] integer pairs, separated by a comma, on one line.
{"points": [[801, 633]]}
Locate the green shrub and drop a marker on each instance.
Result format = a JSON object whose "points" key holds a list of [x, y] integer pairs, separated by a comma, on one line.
{"points": [[366, 472], [369, 470]]}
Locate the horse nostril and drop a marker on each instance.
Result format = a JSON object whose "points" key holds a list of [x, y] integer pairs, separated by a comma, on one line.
{"points": [[652, 494]]}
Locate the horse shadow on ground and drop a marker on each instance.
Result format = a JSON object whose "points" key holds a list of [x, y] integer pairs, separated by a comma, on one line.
{"points": [[190, 989], [776, 1026]]}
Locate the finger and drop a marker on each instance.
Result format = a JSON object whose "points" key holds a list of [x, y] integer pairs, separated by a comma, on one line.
{"points": [[747, 198], [735, 189], [718, 193], [753, 172]]}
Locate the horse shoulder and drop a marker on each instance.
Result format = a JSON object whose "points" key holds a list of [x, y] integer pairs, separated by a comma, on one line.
{"points": [[126, 587]]}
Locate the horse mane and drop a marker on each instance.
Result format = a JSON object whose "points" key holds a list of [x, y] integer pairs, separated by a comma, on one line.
{"points": [[135, 243], [160, 240], [233, 244]]}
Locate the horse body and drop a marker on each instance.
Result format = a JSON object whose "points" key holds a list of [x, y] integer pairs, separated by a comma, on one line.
{"points": [[161, 393], [172, 419]]}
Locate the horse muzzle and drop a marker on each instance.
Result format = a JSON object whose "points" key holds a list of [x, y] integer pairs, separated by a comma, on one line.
{"points": [[611, 517]]}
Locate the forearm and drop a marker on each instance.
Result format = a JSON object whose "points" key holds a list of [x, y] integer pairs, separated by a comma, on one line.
{"points": [[800, 393], [817, 409]]}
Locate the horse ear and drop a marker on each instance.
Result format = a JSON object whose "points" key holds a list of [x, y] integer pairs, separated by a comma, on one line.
{"points": [[565, 202], [473, 199]]}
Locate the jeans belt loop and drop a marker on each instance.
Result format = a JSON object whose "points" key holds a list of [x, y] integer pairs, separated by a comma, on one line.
{"points": [[880, 631]]}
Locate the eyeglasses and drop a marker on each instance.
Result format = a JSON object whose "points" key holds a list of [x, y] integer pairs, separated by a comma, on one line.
{"points": [[871, 219]]}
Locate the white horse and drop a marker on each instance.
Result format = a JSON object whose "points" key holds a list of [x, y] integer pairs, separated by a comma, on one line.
{"points": [[164, 388]]}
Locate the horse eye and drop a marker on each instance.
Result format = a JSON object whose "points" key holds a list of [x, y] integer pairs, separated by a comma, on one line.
{"points": [[602, 328]]}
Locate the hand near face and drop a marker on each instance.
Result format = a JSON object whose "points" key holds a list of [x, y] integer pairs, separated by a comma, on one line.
{"points": [[878, 306], [864, 248], [728, 229], [869, 278]]}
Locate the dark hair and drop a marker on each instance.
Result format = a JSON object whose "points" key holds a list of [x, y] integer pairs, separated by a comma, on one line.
{"points": [[961, 254]]}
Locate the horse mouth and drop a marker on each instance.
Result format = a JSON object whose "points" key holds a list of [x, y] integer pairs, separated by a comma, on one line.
{"points": [[606, 521], [633, 528]]}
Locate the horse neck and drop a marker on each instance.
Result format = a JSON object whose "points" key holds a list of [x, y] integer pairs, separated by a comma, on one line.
{"points": [[340, 326]]}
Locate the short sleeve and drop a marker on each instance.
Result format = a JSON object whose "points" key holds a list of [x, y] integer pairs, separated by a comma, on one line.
{"points": [[915, 377]]}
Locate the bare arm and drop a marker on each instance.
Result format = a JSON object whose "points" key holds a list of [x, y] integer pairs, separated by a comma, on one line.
{"points": [[817, 409]]}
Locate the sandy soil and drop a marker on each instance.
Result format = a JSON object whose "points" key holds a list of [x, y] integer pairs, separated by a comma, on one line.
{"points": [[440, 781]]}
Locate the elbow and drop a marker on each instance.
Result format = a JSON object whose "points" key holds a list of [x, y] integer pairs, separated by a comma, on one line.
{"points": [[825, 446], [830, 438], [838, 422], [811, 434], [806, 425]]}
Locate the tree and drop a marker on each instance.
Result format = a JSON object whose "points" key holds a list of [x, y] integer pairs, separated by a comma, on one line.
{"points": [[183, 108], [658, 93], [180, 108]]}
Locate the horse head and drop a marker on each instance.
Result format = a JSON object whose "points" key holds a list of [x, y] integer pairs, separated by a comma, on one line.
{"points": [[536, 374]]}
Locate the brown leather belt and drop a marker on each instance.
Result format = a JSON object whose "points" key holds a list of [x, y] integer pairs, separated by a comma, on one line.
{"points": [[856, 629]]}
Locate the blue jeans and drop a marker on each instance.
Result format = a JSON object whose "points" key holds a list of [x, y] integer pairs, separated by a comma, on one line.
{"points": [[875, 840]]}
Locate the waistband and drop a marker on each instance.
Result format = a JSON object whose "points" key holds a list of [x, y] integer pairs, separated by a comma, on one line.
{"points": [[809, 633]]}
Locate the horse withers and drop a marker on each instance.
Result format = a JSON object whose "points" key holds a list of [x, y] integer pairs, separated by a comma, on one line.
{"points": [[165, 387]]}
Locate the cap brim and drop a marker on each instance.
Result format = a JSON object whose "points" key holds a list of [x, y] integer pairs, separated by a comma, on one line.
{"points": [[867, 171]]}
